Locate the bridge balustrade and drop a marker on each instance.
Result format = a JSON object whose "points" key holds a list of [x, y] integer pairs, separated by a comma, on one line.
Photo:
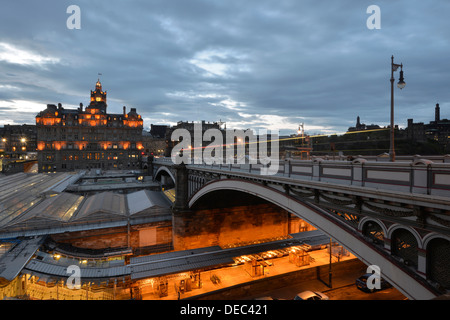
{"points": [[418, 176]]}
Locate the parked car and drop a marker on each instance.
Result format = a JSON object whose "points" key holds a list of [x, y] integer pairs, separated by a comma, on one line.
{"points": [[361, 283], [311, 295]]}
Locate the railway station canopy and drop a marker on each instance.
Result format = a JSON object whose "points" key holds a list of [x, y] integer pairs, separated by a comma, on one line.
{"points": [[37, 204]]}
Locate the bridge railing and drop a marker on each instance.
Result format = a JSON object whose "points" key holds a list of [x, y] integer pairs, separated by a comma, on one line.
{"points": [[419, 176]]}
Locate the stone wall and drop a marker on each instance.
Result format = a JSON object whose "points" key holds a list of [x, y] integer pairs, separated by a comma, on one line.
{"points": [[195, 229], [211, 227], [143, 235]]}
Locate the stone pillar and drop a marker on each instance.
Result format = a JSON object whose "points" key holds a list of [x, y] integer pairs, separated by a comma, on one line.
{"points": [[150, 165], [181, 215], [181, 188], [422, 262]]}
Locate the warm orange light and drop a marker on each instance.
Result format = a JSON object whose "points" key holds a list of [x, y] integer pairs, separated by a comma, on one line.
{"points": [[81, 145], [41, 145], [49, 121], [56, 113], [133, 123]]}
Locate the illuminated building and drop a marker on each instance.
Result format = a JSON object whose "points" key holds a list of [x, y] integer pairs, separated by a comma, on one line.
{"points": [[17, 141], [71, 139]]}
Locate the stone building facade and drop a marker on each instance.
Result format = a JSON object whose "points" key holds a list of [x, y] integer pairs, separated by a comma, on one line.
{"points": [[17, 141], [71, 139]]}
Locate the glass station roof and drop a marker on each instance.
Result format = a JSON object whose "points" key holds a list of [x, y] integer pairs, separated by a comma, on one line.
{"points": [[35, 202]]}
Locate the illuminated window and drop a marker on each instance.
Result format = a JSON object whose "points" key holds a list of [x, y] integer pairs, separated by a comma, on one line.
{"points": [[98, 99]]}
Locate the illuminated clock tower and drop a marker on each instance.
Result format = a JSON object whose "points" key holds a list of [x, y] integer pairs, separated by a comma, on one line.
{"points": [[98, 98]]}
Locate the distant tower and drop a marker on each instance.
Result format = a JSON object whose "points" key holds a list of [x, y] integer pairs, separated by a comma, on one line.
{"points": [[98, 98], [358, 123], [437, 113]]}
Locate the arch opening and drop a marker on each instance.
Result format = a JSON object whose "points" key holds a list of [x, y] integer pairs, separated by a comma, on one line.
{"points": [[235, 218], [404, 243], [438, 261], [404, 246], [165, 178], [374, 232]]}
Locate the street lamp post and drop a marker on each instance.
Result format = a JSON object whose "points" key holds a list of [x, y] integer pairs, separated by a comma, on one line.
{"points": [[401, 84]]}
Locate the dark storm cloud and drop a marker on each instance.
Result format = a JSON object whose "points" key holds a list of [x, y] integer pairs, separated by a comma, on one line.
{"points": [[270, 64]]}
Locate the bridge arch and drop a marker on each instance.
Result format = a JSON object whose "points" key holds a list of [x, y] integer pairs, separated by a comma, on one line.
{"points": [[409, 283], [164, 170], [405, 244], [438, 259], [374, 229], [416, 235], [431, 236]]}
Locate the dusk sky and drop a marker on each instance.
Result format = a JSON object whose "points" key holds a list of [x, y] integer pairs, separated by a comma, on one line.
{"points": [[250, 63]]}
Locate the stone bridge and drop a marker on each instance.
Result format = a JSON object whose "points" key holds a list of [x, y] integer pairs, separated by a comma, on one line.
{"points": [[395, 215]]}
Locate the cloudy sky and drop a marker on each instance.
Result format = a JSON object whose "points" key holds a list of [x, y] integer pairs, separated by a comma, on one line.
{"points": [[269, 64]]}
